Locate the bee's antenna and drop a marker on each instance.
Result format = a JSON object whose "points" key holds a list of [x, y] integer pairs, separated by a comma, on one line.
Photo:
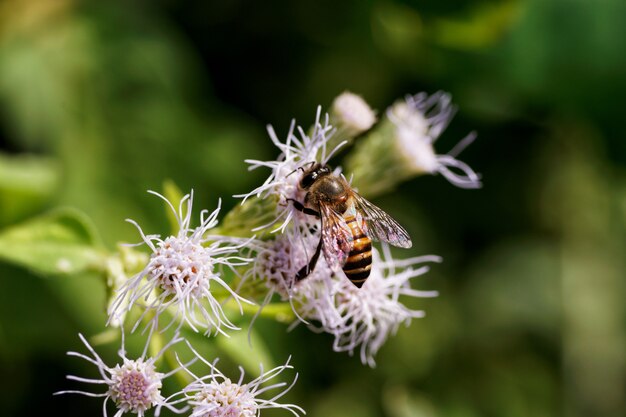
{"points": [[295, 170], [301, 167]]}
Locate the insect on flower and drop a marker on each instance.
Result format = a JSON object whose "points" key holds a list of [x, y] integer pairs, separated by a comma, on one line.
{"points": [[348, 224]]}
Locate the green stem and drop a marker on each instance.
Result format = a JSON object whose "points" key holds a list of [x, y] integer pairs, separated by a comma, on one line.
{"points": [[281, 312]]}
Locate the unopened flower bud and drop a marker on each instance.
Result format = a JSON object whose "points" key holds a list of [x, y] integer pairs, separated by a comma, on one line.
{"points": [[351, 116]]}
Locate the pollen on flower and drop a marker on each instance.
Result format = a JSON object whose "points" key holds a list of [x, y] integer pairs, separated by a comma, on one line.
{"points": [[181, 265], [226, 399], [135, 386]]}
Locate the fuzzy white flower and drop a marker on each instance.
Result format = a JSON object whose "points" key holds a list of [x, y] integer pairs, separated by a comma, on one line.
{"points": [[278, 261], [419, 121], [327, 301], [298, 152], [365, 317], [133, 385], [182, 274], [215, 395]]}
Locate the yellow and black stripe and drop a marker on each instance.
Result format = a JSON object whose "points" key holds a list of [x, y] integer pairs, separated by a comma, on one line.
{"points": [[359, 262]]}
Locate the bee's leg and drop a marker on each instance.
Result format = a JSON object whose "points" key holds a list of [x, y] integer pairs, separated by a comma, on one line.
{"points": [[308, 268], [300, 207]]}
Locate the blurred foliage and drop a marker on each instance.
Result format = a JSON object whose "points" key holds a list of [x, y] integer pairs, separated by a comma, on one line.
{"points": [[62, 242], [27, 184], [101, 101]]}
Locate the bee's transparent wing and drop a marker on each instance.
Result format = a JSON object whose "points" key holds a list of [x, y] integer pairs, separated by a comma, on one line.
{"points": [[381, 226], [336, 237]]}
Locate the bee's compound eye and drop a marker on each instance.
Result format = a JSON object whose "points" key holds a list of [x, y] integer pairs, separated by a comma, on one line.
{"points": [[308, 180]]}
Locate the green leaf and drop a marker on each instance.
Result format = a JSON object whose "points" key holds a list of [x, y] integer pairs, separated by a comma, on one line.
{"points": [[61, 242], [27, 182], [399, 28], [486, 25], [400, 401], [249, 354]]}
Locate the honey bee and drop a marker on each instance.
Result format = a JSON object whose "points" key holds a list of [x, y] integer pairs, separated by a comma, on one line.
{"points": [[348, 224]]}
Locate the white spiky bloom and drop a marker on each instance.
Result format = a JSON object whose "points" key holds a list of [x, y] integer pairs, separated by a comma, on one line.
{"points": [[182, 274], [364, 318], [133, 385], [215, 395], [278, 261], [299, 151], [359, 318], [419, 121]]}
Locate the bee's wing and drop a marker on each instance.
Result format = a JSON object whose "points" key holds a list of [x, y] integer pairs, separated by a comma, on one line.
{"points": [[381, 226], [336, 237]]}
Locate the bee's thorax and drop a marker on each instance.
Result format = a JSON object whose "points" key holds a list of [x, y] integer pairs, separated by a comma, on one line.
{"points": [[329, 190]]}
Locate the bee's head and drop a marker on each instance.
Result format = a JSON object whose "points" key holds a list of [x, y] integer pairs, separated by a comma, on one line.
{"points": [[312, 174]]}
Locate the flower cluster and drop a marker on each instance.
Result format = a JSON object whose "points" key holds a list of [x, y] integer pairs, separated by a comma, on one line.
{"points": [[182, 283], [216, 395], [399, 147], [134, 386], [284, 245]]}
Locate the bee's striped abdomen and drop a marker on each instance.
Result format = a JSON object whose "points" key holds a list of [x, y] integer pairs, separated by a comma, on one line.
{"points": [[359, 262]]}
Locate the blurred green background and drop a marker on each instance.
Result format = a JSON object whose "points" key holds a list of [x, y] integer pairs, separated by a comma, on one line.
{"points": [[100, 101]]}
